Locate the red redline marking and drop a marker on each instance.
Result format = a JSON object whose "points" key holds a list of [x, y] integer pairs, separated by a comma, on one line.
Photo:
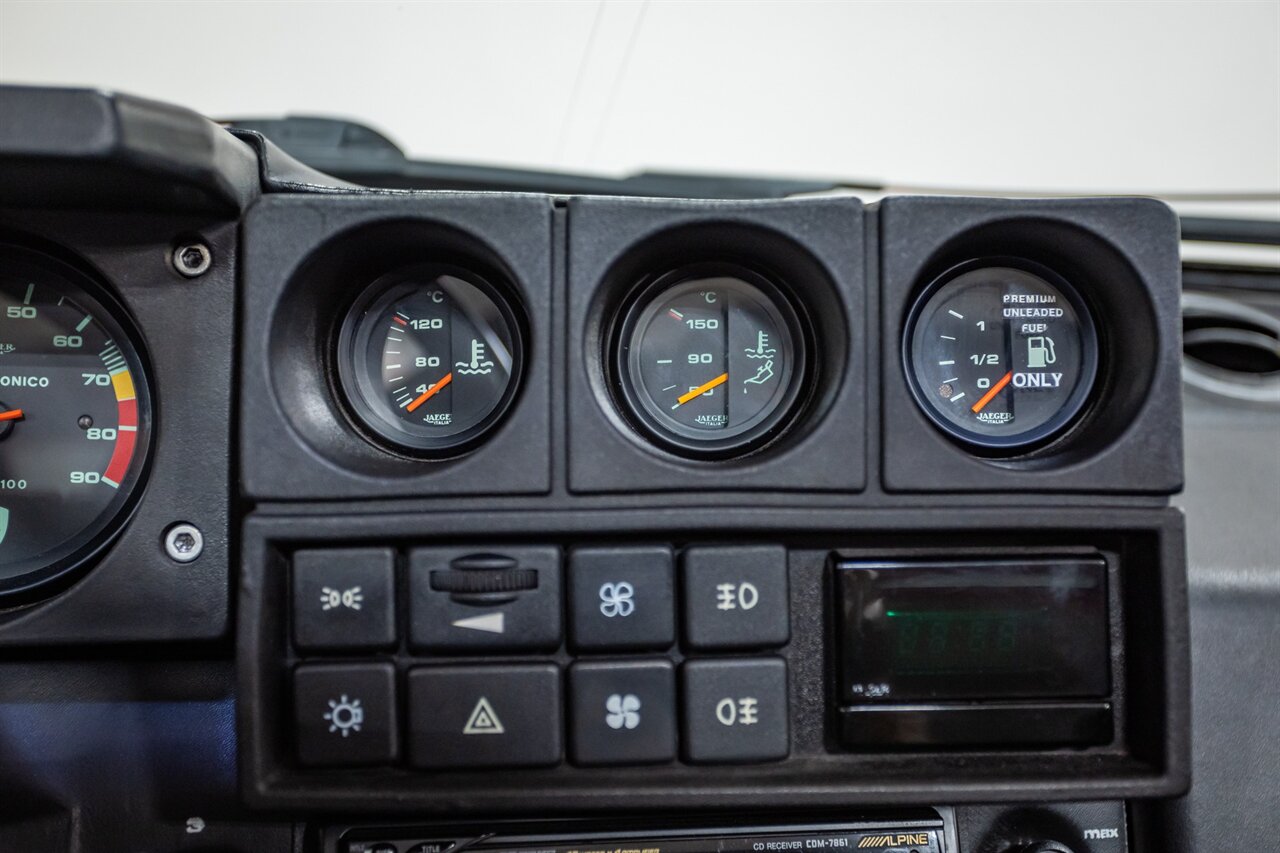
{"points": [[128, 413], [126, 441], [401, 322]]}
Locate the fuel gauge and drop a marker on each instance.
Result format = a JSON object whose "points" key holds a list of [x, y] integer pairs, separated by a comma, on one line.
{"points": [[1001, 356]]}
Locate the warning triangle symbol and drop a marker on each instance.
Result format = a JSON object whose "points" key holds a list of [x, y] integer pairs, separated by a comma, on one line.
{"points": [[483, 720]]}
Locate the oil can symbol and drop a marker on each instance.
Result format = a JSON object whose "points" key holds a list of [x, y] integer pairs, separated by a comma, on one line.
{"points": [[1040, 352]]}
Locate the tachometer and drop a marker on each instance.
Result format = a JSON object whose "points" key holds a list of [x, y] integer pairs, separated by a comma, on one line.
{"points": [[430, 358], [75, 419], [711, 360], [1001, 356]]}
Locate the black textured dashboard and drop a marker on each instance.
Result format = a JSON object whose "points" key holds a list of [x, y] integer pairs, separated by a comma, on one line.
{"points": [[483, 506]]}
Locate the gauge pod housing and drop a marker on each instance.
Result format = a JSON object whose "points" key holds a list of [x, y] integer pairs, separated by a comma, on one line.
{"points": [[802, 262], [1114, 265], [324, 278]]}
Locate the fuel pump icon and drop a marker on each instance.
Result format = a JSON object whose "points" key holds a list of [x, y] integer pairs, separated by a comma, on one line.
{"points": [[1040, 352]]}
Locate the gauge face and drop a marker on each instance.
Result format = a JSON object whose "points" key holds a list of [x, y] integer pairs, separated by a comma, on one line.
{"points": [[710, 360], [75, 419], [430, 358], [1001, 357]]}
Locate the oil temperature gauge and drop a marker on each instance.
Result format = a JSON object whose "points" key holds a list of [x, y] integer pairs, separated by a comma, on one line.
{"points": [[430, 358], [1001, 356], [710, 360]]}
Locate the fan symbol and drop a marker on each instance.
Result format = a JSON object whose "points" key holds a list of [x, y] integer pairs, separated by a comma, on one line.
{"points": [[624, 711], [344, 715], [617, 599]]}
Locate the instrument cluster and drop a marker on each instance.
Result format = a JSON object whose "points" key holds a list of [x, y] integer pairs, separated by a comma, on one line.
{"points": [[714, 346], [712, 360]]}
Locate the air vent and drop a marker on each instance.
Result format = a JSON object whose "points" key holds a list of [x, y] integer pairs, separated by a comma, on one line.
{"points": [[1231, 349]]}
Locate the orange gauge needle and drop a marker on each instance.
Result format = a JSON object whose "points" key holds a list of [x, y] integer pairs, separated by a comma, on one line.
{"points": [[700, 390], [990, 395], [431, 392], [12, 415]]}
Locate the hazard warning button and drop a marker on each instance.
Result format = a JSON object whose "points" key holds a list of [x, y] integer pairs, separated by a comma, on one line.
{"points": [[484, 716]]}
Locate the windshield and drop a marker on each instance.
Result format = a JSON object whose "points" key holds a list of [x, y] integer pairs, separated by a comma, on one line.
{"points": [[1165, 99]]}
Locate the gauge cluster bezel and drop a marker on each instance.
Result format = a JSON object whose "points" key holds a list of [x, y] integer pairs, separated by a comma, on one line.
{"points": [[816, 250], [188, 357]]}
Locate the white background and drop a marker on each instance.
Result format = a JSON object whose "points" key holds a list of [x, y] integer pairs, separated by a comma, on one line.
{"points": [[1072, 96]]}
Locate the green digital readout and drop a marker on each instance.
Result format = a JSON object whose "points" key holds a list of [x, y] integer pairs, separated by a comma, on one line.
{"points": [[951, 630], [928, 642]]}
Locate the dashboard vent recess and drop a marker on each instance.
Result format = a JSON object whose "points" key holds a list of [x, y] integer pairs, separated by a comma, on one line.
{"points": [[1231, 349]]}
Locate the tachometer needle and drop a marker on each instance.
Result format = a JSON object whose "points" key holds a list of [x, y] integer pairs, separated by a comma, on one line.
{"points": [[12, 415], [431, 392], [700, 390], [990, 395]]}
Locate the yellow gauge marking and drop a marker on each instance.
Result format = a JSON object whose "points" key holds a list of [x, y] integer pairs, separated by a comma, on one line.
{"points": [[123, 383]]}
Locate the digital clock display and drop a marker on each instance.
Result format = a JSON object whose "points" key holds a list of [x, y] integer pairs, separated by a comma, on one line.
{"points": [[941, 642], [968, 630]]}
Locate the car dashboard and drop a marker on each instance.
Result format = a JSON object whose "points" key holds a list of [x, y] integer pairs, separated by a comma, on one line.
{"points": [[348, 519]]}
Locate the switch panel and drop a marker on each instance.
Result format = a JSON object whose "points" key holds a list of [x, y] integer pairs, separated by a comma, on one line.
{"points": [[624, 712], [484, 716], [735, 710], [622, 599], [345, 714], [736, 598], [344, 599], [480, 600]]}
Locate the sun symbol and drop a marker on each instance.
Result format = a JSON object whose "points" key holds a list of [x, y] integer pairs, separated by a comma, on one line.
{"points": [[344, 715]]}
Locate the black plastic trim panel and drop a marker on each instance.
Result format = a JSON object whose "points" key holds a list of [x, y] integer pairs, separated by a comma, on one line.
{"points": [[1121, 256], [1147, 758], [813, 248], [307, 258], [135, 592]]}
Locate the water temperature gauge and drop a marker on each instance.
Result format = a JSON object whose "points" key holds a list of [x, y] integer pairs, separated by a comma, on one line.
{"points": [[430, 358], [710, 360], [1001, 356]]}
